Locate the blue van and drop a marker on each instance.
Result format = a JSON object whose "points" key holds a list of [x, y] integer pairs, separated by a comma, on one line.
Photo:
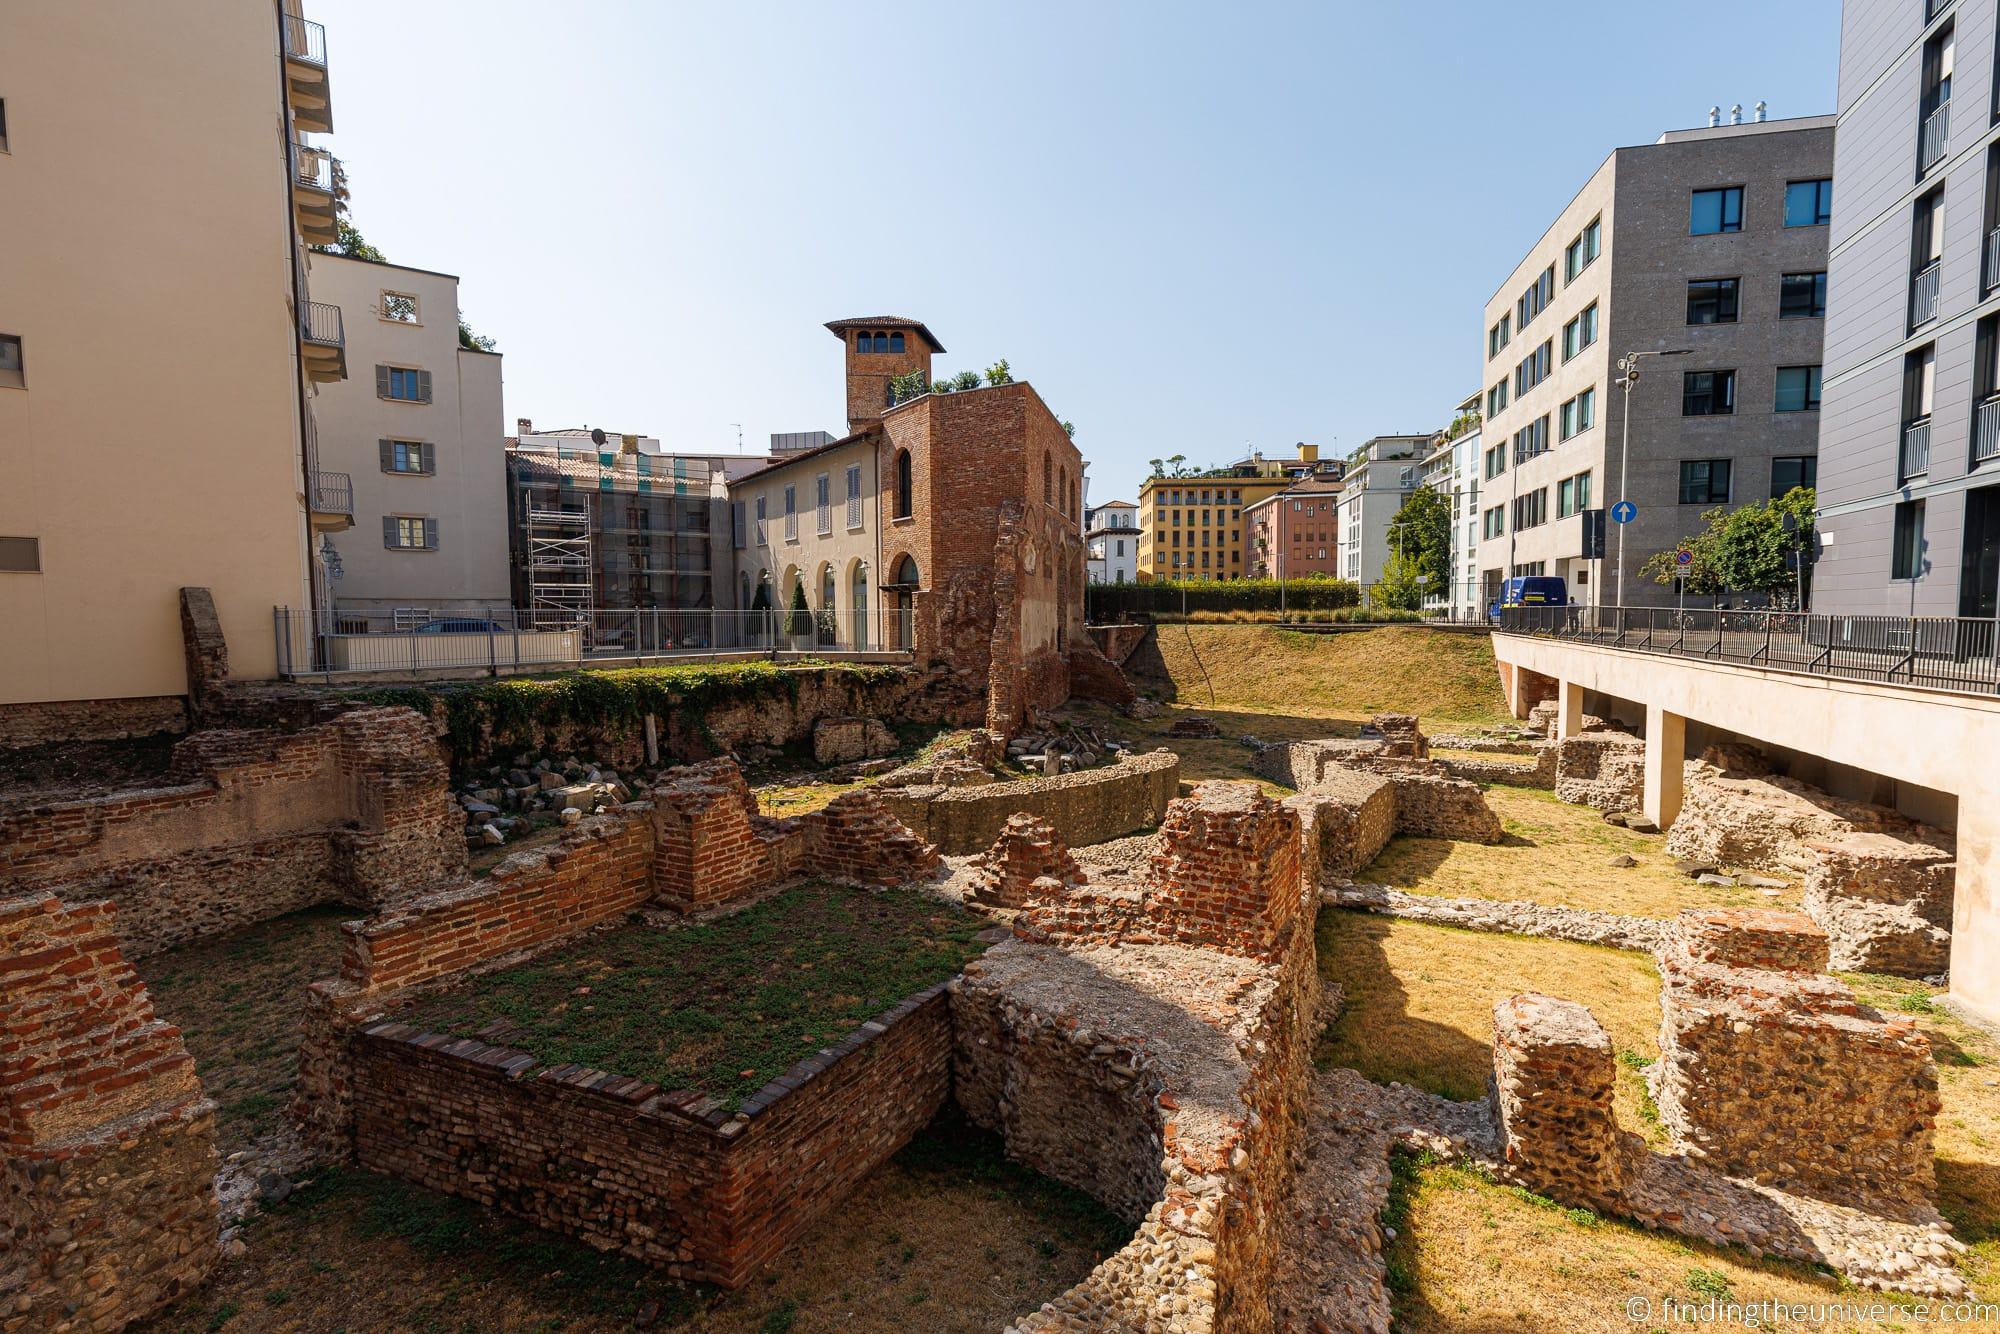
{"points": [[1531, 590]]}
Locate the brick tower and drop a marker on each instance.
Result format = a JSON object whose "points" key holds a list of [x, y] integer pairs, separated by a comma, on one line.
{"points": [[879, 348]]}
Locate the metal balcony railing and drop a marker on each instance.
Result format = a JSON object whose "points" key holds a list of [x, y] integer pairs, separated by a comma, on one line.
{"points": [[333, 493], [320, 323], [1915, 457], [312, 167], [1986, 429], [305, 41], [1931, 138], [1936, 9], [1989, 273], [1924, 293]]}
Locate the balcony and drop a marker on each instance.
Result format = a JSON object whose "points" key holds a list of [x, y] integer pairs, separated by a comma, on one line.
{"points": [[322, 342], [1931, 138], [1924, 294], [330, 504], [1936, 9], [314, 198], [1915, 458], [304, 45], [1986, 430]]}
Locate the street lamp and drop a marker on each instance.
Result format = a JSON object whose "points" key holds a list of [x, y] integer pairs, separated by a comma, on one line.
{"points": [[1628, 367]]}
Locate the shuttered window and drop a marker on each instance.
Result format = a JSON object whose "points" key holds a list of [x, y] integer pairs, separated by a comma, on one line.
{"points": [[823, 503], [404, 532], [854, 496], [416, 458], [403, 384]]}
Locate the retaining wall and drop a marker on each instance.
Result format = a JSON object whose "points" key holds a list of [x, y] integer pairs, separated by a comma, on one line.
{"points": [[1089, 806]]}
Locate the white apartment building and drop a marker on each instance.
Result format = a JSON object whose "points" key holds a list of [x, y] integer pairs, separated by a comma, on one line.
{"points": [[1111, 536], [1380, 477], [1452, 470], [413, 441]]}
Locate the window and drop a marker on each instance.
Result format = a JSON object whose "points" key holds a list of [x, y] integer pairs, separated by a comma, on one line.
{"points": [[13, 372], [895, 342], [823, 503], [1716, 211], [405, 384], [761, 532], [1906, 553], [3, 124], [791, 514], [1712, 301], [1704, 481], [1708, 393], [21, 555], [1579, 414], [903, 488], [1582, 250], [1802, 296], [1786, 473], [1798, 389], [1496, 399], [1531, 510], [739, 535], [1536, 299], [1531, 439], [1496, 461], [1496, 338], [1534, 368], [399, 308], [854, 496], [1048, 480], [407, 456], [1808, 203], [1580, 332], [409, 533], [1572, 495]]}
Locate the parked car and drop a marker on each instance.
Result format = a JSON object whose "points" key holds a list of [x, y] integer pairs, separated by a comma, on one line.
{"points": [[1531, 590]]}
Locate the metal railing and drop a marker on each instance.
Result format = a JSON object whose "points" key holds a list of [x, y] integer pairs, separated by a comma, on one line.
{"points": [[1931, 138], [1936, 8], [333, 493], [463, 637], [305, 41], [1986, 429], [312, 167], [1989, 273], [1935, 652], [1914, 459], [319, 322], [1924, 294]]}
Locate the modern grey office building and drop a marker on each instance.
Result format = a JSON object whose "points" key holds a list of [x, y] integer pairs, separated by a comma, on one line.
{"points": [[1910, 436], [1709, 243]]}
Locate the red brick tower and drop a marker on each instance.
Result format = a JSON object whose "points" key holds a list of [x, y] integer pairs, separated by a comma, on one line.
{"points": [[879, 348]]}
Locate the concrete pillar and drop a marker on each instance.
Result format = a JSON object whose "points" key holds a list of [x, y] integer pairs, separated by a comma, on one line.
{"points": [[1666, 754], [1975, 909], [1569, 709], [1511, 679]]}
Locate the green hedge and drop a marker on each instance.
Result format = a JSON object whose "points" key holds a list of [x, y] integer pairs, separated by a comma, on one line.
{"points": [[1171, 597]]}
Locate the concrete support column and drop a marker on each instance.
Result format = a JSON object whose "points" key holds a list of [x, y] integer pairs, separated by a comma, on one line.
{"points": [[1569, 709], [1511, 678], [1975, 908], [1666, 755]]}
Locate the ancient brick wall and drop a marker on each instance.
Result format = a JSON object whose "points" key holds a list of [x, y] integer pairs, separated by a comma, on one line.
{"points": [[38, 724], [1540, 772], [1027, 850], [708, 849], [1430, 805], [257, 823], [668, 1177], [1227, 872], [1603, 770], [1094, 676], [1354, 816], [1085, 807], [207, 655], [107, 1205], [1884, 902], [1553, 1073], [1117, 642], [854, 837], [1773, 1071], [1736, 818]]}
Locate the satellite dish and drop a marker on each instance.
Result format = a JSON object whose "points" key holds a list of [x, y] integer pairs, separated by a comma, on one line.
{"points": [[597, 435]]}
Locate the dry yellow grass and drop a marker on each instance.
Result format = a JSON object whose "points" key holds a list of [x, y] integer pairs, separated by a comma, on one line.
{"points": [[1560, 855], [1418, 1002], [1437, 675]]}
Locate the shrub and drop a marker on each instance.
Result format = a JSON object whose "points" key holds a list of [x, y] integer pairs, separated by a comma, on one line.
{"points": [[1170, 598]]}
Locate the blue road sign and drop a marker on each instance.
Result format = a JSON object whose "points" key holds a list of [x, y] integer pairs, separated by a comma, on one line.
{"points": [[1683, 557], [1624, 512]]}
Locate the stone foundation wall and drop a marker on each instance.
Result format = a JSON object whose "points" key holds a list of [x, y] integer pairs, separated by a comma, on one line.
{"points": [[1092, 675], [1885, 904], [107, 1202], [1603, 770], [1429, 803], [1741, 819], [1434, 806], [1553, 1073], [1771, 1070], [668, 1177], [1540, 774], [1226, 875], [1089, 806], [257, 823], [57, 721]]}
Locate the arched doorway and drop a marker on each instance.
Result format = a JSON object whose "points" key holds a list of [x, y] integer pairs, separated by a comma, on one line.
{"points": [[857, 580], [827, 618], [902, 589]]}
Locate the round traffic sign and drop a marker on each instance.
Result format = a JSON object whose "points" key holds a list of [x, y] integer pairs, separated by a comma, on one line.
{"points": [[1624, 512], [1683, 557]]}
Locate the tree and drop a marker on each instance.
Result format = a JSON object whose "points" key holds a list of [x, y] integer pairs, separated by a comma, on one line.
{"points": [[903, 388], [1398, 587], [1159, 467], [1745, 550], [966, 380], [1069, 429], [470, 340], [762, 599], [999, 373], [1177, 463], [800, 622], [351, 243], [1421, 531], [1700, 576]]}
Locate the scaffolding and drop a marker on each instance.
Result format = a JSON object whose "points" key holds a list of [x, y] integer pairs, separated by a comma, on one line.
{"points": [[559, 564]]}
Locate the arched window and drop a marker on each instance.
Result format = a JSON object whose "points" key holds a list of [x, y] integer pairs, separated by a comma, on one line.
{"points": [[881, 342], [903, 488], [1062, 492], [1048, 481], [895, 342]]}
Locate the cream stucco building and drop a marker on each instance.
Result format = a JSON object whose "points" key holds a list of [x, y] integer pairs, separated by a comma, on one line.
{"points": [[812, 519], [151, 380]]}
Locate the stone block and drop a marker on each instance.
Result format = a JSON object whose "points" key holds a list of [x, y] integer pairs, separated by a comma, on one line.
{"points": [[847, 740], [1553, 1073]]}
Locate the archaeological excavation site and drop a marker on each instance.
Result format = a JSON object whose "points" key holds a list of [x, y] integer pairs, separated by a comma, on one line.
{"points": [[1147, 990]]}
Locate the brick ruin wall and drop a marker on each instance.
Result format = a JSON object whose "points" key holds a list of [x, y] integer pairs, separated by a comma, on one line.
{"points": [[668, 1177], [1735, 817], [1553, 1075], [107, 1202], [1429, 803], [1884, 902], [1772, 1070], [1088, 806], [1603, 770], [256, 823], [67, 721]]}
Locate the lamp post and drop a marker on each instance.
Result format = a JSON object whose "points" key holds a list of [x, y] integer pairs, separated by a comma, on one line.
{"points": [[1628, 367]]}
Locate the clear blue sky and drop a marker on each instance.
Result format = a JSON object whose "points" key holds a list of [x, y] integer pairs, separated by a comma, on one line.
{"points": [[1196, 228]]}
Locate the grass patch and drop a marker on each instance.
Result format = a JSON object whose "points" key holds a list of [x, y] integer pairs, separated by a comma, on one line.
{"points": [[722, 1006], [1559, 854], [1419, 1001]]}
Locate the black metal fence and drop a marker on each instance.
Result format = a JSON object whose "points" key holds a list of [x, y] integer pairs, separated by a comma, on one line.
{"points": [[1168, 599], [1937, 652]]}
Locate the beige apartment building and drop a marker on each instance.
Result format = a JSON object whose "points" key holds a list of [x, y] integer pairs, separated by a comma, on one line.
{"points": [[414, 441], [812, 519], [1709, 245], [151, 377]]}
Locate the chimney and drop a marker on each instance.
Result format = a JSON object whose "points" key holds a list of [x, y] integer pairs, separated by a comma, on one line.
{"points": [[1714, 117], [522, 426], [1736, 114], [1761, 107]]}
